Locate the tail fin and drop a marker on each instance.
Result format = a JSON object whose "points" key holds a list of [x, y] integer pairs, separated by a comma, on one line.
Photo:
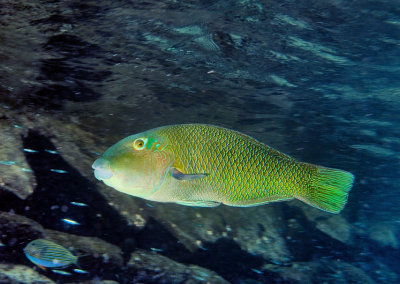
{"points": [[329, 189]]}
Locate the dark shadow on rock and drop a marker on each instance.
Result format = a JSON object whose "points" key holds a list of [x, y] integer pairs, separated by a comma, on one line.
{"points": [[154, 236], [226, 258], [8, 200], [308, 243], [51, 200]]}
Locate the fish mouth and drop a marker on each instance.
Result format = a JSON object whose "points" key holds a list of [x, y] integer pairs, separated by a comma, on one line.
{"points": [[102, 169]]}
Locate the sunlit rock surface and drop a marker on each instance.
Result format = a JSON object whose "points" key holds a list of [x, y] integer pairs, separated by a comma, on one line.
{"points": [[254, 230], [384, 235], [15, 173], [165, 270], [336, 226], [338, 272], [16, 273]]}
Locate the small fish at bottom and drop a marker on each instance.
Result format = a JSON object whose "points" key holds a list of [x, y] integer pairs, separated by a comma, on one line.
{"points": [[47, 254], [30, 150], [58, 171], [81, 271], [70, 221], [78, 204], [7, 163], [157, 249], [256, 271], [61, 272]]}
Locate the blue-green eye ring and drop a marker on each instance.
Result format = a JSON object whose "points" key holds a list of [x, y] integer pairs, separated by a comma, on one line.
{"points": [[139, 143]]}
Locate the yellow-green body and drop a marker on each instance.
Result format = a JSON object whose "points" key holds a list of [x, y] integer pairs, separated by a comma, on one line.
{"points": [[204, 165], [240, 170]]}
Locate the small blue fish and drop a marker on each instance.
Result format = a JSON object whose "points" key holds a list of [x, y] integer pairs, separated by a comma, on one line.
{"points": [[25, 170], [17, 126], [58, 171], [157, 249], [30, 150], [51, 151], [78, 204], [47, 254], [257, 271], [70, 221], [61, 272], [7, 163], [81, 271], [149, 205]]}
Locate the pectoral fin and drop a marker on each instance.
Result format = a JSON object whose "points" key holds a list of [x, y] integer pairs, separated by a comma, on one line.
{"points": [[181, 176], [199, 203]]}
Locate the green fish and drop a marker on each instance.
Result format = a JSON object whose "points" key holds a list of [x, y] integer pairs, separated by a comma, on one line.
{"points": [[204, 165]]}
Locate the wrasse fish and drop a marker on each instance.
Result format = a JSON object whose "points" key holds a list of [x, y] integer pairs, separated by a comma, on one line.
{"points": [[205, 165], [47, 254]]}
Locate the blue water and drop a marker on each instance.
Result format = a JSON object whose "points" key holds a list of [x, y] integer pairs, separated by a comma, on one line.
{"points": [[318, 80]]}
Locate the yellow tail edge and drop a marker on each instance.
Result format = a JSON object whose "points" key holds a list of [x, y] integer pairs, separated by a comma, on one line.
{"points": [[329, 189]]}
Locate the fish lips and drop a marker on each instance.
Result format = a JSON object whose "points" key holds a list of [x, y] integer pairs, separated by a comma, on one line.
{"points": [[102, 169]]}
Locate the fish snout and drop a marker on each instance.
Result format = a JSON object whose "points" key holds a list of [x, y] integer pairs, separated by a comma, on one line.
{"points": [[102, 169]]}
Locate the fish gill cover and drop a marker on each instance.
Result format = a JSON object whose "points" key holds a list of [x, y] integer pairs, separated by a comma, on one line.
{"points": [[318, 80]]}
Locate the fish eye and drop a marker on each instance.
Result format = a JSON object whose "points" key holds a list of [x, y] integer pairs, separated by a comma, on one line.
{"points": [[139, 143]]}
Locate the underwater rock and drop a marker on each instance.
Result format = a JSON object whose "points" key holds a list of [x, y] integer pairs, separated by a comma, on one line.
{"points": [[15, 273], [92, 246], [95, 281], [160, 269], [16, 231], [384, 235], [335, 226], [254, 229], [15, 173], [324, 271]]}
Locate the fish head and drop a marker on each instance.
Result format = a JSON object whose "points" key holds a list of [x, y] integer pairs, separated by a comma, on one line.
{"points": [[136, 165], [34, 249]]}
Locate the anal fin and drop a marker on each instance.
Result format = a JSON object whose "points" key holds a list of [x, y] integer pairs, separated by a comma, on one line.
{"points": [[258, 202], [198, 203]]}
